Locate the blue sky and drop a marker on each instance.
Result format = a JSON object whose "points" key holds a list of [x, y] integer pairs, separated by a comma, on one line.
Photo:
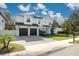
{"points": [[55, 7]]}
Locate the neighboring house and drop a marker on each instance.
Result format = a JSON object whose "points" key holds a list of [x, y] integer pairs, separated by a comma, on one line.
{"points": [[2, 22], [27, 25], [57, 29]]}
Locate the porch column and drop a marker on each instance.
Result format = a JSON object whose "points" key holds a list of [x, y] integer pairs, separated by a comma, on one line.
{"points": [[17, 31], [38, 31], [28, 31]]}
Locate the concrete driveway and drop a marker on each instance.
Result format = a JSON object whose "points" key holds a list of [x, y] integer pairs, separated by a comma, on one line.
{"points": [[29, 40]]}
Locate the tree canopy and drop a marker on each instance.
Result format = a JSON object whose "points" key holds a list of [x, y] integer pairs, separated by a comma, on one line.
{"points": [[72, 24]]}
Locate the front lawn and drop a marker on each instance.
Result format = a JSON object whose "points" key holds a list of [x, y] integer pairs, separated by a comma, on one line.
{"points": [[13, 48], [60, 37]]}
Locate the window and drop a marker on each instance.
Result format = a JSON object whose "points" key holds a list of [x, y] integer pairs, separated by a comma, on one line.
{"points": [[38, 22], [49, 23], [2, 20], [28, 19]]}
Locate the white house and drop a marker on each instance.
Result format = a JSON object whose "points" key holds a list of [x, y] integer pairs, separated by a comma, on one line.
{"points": [[27, 25], [2, 22], [57, 29]]}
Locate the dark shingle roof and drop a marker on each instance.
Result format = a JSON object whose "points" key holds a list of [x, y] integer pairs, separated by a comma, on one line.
{"points": [[19, 23], [38, 17], [46, 25]]}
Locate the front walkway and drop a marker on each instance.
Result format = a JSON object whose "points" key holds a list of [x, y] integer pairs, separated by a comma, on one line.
{"points": [[43, 48]]}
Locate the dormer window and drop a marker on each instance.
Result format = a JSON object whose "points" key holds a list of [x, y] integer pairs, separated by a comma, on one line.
{"points": [[28, 19]]}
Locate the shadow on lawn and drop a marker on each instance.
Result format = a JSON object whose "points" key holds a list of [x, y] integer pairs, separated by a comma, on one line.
{"points": [[59, 35]]}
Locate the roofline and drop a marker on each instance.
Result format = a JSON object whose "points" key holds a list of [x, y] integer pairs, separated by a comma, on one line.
{"points": [[19, 23]]}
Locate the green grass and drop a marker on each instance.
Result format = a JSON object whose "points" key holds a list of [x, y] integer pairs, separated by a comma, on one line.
{"points": [[77, 41], [60, 37], [15, 47]]}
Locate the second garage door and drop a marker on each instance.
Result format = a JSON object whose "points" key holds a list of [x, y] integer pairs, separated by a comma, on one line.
{"points": [[33, 31], [23, 31]]}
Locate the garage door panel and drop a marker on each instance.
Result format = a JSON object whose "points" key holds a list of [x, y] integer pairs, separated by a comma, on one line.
{"points": [[23, 32], [33, 31]]}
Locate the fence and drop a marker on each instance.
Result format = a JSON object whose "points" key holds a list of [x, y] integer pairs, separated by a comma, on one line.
{"points": [[9, 32]]}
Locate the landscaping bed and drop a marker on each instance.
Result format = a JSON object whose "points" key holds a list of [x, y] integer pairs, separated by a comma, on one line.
{"points": [[12, 48]]}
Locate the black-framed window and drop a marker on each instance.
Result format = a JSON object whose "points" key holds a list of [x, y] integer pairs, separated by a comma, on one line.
{"points": [[2, 20], [28, 19], [39, 22]]}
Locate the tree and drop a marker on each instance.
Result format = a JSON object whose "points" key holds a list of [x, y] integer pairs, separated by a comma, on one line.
{"points": [[54, 25], [6, 39], [9, 24], [66, 28], [72, 24]]}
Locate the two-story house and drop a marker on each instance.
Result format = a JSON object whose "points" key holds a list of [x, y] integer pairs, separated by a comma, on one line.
{"points": [[27, 25]]}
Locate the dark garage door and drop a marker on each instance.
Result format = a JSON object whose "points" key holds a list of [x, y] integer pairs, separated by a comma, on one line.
{"points": [[33, 31], [23, 31]]}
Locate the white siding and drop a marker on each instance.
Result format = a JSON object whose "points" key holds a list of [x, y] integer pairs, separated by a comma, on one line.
{"points": [[19, 19], [56, 30], [2, 23]]}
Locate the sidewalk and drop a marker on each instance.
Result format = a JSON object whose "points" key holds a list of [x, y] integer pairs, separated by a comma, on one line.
{"points": [[38, 49]]}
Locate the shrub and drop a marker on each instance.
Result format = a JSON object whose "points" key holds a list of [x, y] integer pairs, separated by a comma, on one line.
{"points": [[6, 39]]}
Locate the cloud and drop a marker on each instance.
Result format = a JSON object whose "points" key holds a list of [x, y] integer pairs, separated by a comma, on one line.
{"points": [[73, 6], [44, 12], [30, 13], [24, 8], [35, 8], [41, 6], [51, 14], [59, 18], [3, 5]]}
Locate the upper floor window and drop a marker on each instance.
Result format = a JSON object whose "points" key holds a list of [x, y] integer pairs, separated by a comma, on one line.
{"points": [[28, 19], [49, 23], [2, 20], [38, 22]]}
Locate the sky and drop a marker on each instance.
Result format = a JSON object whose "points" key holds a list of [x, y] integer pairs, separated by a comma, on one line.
{"points": [[54, 7], [60, 10]]}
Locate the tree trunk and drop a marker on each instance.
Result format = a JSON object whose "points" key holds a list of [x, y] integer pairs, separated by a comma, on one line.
{"points": [[8, 44], [4, 44], [73, 37]]}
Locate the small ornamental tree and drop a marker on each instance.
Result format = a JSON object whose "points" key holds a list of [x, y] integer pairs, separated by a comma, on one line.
{"points": [[6, 39]]}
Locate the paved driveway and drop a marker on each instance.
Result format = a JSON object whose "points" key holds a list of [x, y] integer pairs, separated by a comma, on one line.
{"points": [[33, 39]]}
